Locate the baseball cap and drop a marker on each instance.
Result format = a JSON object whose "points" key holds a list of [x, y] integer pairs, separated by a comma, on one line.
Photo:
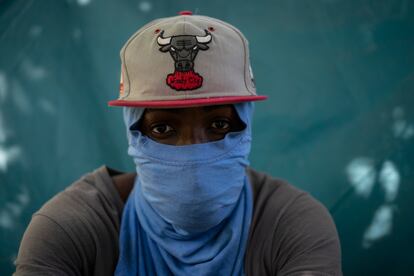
{"points": [[183, 61]]}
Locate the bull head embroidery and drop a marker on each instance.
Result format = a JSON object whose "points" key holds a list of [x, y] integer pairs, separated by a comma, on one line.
{"points": [[184, 49]]}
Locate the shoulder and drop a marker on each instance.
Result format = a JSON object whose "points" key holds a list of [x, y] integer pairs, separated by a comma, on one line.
{"points": [[75, 228], [93, 199], [265, 188], [274, 198], [291, 229]]}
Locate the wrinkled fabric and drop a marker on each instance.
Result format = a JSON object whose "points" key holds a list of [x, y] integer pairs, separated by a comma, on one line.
{"points": [[190, 210]]}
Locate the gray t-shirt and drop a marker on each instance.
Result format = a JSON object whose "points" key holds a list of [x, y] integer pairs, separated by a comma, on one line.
{"points": [[76, 232]]}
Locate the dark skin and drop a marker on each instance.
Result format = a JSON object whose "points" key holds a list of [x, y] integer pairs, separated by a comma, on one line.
{"points": [[182, 126], [186, 126]]}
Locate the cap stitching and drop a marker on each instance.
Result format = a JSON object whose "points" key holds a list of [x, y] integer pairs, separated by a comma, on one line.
{"points": [[184, 32], [186, 102]]}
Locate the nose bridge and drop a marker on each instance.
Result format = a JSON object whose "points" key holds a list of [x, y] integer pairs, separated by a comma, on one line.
{"points": [[192, 135]]}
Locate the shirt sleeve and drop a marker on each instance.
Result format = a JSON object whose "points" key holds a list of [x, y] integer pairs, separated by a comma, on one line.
{"points": [[307, 239], [46, 249]]}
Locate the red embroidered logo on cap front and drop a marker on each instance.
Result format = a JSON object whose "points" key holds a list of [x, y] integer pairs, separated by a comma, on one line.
{"points": [[184, 49]]}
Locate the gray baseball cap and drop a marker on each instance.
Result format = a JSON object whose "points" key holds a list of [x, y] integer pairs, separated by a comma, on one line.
{"points": [[186, 60]]}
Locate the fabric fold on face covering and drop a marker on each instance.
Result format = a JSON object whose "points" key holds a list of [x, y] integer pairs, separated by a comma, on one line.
{"points": [[190, 210]]}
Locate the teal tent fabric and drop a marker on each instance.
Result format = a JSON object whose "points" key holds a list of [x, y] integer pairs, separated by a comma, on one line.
{"points": [[339, 121]]}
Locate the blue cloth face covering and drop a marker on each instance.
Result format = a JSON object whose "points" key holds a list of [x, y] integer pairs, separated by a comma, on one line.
{"points": [[190, 209]]}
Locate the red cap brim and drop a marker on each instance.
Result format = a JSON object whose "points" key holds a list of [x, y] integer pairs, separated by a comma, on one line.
{"points": [[187, 102]]}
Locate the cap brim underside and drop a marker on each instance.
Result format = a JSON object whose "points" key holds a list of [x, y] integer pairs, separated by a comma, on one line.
{"points": [[187, 102]]}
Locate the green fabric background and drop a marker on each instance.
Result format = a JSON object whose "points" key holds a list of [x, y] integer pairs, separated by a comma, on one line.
{"points": [[339, 121]]}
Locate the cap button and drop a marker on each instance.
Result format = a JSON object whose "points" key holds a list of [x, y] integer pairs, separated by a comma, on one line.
{"points": [[185, 13]]}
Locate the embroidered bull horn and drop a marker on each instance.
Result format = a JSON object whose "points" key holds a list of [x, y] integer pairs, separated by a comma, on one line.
{"points": [[163, 41], [204, 39]]}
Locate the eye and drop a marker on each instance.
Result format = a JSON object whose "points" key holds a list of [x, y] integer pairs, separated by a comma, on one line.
{"points": [[195, 47], [161, 129], [221, 125], [172, 49]]}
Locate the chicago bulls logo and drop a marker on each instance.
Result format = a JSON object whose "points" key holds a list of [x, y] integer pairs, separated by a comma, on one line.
{"points": [[184, 49]]}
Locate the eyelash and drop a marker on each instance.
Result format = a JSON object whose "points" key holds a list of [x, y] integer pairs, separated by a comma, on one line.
{"points": [[168, 129], [226, 122]]}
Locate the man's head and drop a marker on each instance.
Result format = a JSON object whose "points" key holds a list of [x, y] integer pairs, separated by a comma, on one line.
{"points": [[187, 89]]}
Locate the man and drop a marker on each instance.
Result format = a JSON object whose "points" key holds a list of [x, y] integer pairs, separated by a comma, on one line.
{"points": [[194, 207]]}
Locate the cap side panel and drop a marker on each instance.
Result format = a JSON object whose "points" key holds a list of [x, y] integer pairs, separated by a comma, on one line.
{"points": [[123, 52], [246, 54], [231, 50], [244, 41], [126, 84]]}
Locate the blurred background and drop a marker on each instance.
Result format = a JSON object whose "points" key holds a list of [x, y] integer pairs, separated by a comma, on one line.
{"points": [[339, 122]]}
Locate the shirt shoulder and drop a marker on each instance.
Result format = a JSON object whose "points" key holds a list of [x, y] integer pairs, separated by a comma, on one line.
{"points": [[82, 220], [92, 198], [291, 232]]}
